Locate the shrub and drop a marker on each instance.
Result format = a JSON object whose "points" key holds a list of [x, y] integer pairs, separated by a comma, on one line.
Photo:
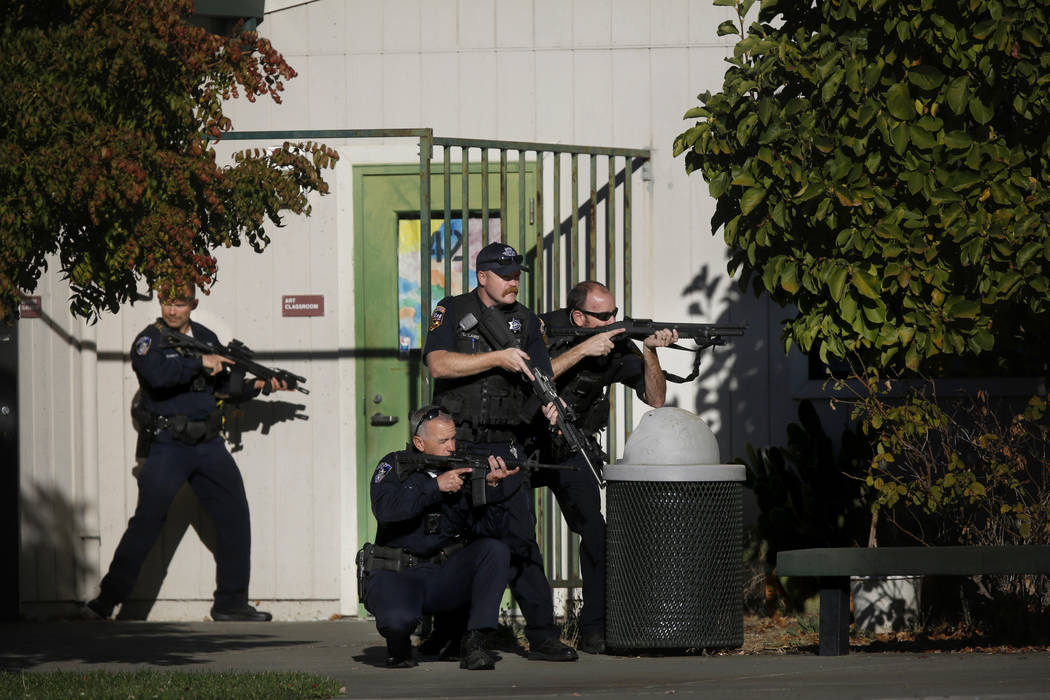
{"points": [[961, 470]]}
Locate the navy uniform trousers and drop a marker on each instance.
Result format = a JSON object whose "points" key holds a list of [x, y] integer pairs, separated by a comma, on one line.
{"points": [[475, 576], [213, 475], [528, 579], [580, 501]]}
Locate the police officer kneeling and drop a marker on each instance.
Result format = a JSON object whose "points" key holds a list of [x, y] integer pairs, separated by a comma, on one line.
{"points": [[431, 553]]}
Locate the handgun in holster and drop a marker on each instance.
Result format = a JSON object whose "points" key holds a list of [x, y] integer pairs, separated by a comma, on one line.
{"points": [[145, 422], [364, 556]]}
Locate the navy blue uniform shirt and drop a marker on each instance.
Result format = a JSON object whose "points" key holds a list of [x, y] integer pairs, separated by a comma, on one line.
{"points": [[444, 321], [176, 383], [415, 515]]}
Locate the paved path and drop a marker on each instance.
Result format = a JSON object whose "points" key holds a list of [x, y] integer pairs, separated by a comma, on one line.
{"points": [[351, 652]]}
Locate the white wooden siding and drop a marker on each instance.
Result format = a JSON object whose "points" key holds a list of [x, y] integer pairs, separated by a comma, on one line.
{"points": [[595, 72]]}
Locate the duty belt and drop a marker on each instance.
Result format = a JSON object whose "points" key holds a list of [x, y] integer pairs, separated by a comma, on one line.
{"points": [[188, 431], [375, 557]]}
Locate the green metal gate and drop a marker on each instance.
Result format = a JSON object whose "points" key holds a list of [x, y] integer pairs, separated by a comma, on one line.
{"points": [[588, 237]]}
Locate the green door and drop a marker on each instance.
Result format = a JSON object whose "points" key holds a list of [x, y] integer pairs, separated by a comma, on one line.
{"points": [[387, 273]]}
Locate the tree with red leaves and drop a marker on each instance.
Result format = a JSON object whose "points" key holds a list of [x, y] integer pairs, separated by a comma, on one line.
{"points": [[107, 164]]}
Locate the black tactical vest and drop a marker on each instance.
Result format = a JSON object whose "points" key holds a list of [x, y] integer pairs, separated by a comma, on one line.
{"points": [[495, 405], [583, 387]]}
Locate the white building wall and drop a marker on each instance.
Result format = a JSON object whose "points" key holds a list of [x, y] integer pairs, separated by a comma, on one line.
{"points": [[592, 72]]}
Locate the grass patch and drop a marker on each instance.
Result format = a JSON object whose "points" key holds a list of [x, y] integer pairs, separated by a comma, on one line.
{"points": [[164, 684]]}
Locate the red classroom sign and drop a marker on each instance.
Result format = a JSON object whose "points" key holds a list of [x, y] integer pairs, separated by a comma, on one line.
{"points": [[302, 305]]}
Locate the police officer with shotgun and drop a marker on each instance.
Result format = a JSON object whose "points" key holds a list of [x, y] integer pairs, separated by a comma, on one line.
{"points": [[584, 370], [180, 441]]}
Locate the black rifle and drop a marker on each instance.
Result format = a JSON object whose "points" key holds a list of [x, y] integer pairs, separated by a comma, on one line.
{"points": [[703, 334], [240, 354], [494, 329], [478, 463]]}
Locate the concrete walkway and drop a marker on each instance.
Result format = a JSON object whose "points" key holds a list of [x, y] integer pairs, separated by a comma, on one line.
{"points": [[351, 652]]}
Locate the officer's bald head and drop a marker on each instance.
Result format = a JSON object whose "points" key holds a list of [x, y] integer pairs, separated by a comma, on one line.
{"points": [[434, 431]]}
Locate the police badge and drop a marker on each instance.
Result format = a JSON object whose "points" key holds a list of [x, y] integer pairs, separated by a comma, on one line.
{"points": [[381, 471], [437, 317]]}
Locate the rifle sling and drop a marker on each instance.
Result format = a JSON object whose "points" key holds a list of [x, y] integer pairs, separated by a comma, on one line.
{"points": [[692, 375]]}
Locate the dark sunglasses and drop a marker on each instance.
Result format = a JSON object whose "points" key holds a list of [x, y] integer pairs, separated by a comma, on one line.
{"points": [[431, 413], [506, 260], [601, 315]]}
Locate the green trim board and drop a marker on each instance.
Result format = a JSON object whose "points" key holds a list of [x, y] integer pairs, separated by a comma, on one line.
{"points": [[389, 376]]}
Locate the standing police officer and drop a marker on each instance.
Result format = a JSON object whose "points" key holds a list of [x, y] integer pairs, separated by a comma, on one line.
{"points": [[182, 420], [434, 551], [484, 390], [583, 372]]}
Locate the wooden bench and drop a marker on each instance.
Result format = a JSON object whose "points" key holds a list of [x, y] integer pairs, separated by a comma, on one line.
{"points": [[835, 565]]}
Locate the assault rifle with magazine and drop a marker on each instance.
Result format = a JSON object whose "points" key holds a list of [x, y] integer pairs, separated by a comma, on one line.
{"points": [[240, 354], [495, 332], [704, 335], [478, 463]]}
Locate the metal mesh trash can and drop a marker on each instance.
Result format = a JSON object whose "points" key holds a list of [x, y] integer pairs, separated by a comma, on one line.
{"points": [[674, 574]]}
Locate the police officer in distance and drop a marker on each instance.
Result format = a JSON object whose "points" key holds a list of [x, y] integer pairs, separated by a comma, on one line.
{"points": [[180, 442], [583, 372], [492, 404], [434, 550]]}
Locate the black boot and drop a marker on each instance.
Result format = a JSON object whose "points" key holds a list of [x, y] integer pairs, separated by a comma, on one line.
{"points": [[551, 650], [399, 652], [592, 642], [96, 609], [473, 654], [240, 613]]}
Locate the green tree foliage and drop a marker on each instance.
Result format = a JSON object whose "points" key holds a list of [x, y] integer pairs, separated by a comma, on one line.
{"points": [[106, 158], [884, 166]]}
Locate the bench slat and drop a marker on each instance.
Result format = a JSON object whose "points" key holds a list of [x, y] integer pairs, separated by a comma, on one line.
{"points": [[914, 561]]}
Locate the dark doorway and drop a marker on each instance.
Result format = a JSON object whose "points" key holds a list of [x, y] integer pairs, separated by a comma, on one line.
{"points": [[9, 488]]}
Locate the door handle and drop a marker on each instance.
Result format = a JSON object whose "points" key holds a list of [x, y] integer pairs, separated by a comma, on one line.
{"points": [[382, 419]]}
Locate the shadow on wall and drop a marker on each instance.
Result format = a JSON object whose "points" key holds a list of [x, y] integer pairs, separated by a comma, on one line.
{"points": [[724, 370], [51, 558], [186, 510], [53, 527], [885, 604], [252, 416]]}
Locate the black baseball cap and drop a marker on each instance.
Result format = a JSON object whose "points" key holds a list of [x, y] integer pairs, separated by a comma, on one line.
{"points": [[500, 258]]}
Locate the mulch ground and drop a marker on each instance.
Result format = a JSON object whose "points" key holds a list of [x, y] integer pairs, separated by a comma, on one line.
{"points": [[785, 634]]}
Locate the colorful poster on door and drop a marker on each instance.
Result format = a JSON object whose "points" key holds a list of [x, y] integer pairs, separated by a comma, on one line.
{"points": [[408, 271]]}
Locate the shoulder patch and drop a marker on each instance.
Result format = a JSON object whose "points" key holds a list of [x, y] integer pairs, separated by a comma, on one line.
{"points": [[142, 344], [437, 317], [381, 471], [543, 330]]}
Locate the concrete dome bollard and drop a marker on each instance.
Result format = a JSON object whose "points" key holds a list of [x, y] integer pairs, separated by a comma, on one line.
{"points": [[674, 539]]}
